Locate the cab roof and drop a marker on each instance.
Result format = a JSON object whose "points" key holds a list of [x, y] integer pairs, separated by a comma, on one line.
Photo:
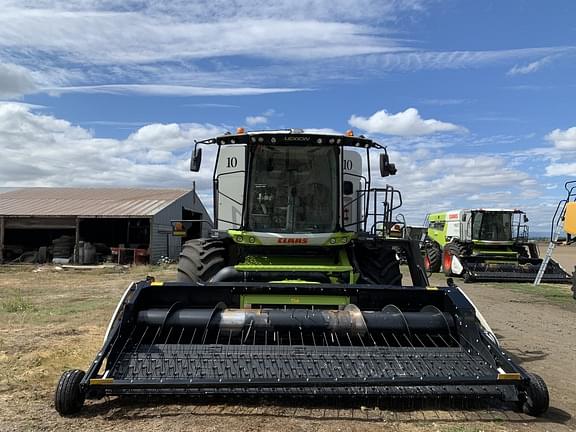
{"points": [[292, 137]]}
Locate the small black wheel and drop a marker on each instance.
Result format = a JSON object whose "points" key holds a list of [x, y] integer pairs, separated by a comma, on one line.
{"points": [[69, 397], [537, 399], [468, 278]]}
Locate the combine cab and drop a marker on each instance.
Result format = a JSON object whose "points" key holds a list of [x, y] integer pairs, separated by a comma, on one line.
{"points": [[298, 293], [485, 245]]}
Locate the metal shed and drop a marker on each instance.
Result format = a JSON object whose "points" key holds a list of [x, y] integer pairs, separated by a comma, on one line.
{"points": [[118, 218]]}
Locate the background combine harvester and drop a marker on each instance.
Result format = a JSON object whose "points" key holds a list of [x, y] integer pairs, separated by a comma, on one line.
{"points": [[486, 245], [298, 294]]}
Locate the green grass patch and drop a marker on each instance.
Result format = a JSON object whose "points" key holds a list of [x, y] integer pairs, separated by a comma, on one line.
{"points": [[462, 429], [18, 304], [555, 293]]}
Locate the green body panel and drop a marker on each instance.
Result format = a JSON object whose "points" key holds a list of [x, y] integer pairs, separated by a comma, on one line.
{"points": [[253, 238], [322, 264], [247, 300], [437, 228]]}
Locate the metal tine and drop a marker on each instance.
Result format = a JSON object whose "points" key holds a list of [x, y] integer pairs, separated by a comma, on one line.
{"points": [[409, 342], [266, 337], [242, 337], [432, 340], [166, 340], [385, 340], [325, 338], [423, 363], [337, 340], [124, 347], [180, 337], [153, 340], [254, 338], [396, 339], [289, 338], [248, 331], [313, 339], [444, 341], [370, 358], [373, 340], [141, 338], [217, 336], [302, 337], [193, 335], [349, 340], [420, 340]]}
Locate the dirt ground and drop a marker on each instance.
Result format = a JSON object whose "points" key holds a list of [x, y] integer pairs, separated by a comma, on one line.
{"points": [[54, 320]]}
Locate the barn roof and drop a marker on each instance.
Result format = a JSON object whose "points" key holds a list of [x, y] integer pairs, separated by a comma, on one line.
{"points": [[87, 202]]}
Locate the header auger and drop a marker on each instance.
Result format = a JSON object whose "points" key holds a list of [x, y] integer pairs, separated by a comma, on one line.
{"points": [[299, 292]]}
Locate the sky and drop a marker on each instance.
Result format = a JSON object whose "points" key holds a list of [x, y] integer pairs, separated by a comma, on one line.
{"points": [[473, 99]]}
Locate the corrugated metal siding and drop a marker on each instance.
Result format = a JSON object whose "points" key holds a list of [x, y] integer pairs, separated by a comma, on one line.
{"points": [[165, 244], [87, 202]]}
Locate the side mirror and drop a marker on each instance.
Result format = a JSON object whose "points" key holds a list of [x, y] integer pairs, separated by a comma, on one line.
{"points": [[525, 219], [196, 160], [386, 168]]}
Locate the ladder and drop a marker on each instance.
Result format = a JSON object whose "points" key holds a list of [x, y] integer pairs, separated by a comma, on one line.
{"points": [[557, 227]]}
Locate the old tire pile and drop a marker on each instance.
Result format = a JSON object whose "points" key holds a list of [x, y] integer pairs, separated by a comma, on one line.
{"points": [[63, 246]]}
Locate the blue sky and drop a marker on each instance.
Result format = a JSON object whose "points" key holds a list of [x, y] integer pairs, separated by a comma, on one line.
{"points": [[475, 100]]}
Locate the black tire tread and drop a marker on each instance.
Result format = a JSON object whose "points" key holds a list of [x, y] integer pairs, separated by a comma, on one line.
{"points": [[69, 398], [434, 257], [377, 264], [200, 259], [537, 397]]}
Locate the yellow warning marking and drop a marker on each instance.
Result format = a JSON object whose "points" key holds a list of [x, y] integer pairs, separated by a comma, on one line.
{"points": [[570, 218], [101, 381], [157, 283], [432, 288], [509, 376]]}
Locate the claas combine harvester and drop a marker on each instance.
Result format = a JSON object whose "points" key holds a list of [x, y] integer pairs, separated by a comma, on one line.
{"points": [[486, 245], [297, 293]]}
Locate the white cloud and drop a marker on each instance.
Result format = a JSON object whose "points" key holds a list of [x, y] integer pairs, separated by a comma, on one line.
{"points": [[563, 139], [15, 81], [256, 120], [405, 123], [529, 68], [156, 155], [169, 90], [561, 169]]}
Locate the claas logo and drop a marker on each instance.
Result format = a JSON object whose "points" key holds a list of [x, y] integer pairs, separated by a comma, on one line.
{"points": [[301, 240]]}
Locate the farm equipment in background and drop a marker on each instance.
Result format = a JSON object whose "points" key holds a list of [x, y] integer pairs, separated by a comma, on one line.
{"points": [[485, 245], [564, 219], [298, 294]]}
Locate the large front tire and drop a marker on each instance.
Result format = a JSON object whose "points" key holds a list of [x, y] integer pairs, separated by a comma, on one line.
{"points": [[378, 264], [200, 260], [432, 260]]}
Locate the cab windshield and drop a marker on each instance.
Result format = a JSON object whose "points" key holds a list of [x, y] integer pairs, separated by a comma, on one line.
{"points": [[492, 226], [293, 189]]}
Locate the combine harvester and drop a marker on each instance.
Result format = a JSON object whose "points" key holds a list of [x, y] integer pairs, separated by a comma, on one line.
{"points": [[486, 245], [297, 294]]}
